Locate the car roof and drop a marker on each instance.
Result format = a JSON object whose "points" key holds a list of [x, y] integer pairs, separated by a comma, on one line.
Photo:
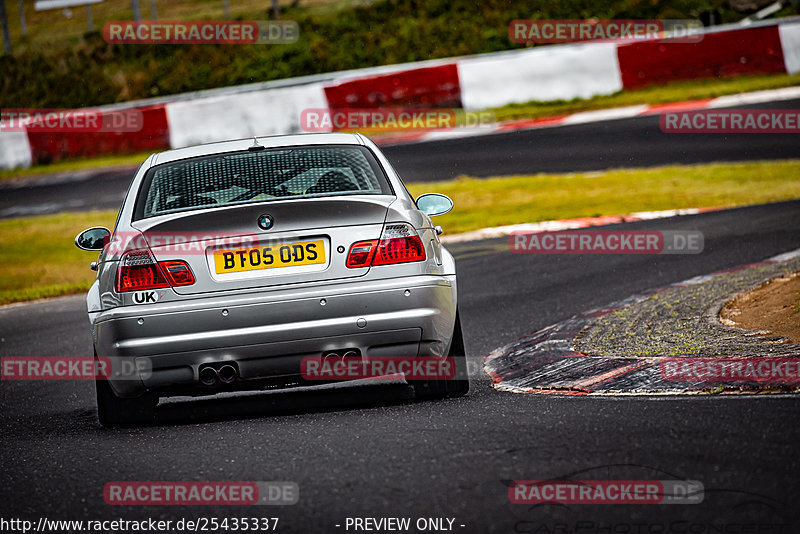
{"points": [[272, 141]]}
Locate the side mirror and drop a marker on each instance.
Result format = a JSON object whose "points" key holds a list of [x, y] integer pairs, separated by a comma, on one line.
{"points": [[93, 238], [432, 204]]}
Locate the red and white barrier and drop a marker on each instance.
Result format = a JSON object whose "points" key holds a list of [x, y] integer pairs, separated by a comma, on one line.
{"points": [[47, 146], [435, 86], [718, 55], [15, 150], [790, 43], [219, 118], [558, 72]]}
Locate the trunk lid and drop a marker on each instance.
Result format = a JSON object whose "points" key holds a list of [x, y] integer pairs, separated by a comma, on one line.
{"points": [[305, 241]]}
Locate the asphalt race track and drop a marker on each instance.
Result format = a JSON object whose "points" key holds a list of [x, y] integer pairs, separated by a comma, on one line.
{"points": [[371, 453], [635, 142]]}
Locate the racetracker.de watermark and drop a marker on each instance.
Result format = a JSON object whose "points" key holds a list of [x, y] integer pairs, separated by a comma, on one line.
{"points": [[237, 32], [185, 243], [731, 121], [74, 368], [574, 31], [606, 491], [607, 242], [388, 119], [756, 369], [376, 367], [70, 120], [207, 493]]}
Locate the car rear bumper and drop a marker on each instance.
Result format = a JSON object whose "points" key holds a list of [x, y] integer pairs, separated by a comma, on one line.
{"points": [[267, 334]]}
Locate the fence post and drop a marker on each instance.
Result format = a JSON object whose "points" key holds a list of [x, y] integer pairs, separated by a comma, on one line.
{"points": [[6, 36], [137, 15], [22, 24]]}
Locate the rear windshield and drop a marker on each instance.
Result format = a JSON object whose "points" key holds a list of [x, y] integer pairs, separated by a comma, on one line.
{"points": [[258, 176]]}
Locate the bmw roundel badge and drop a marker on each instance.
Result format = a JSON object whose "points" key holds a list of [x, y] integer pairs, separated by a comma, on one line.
{"points": [[265, 222]]}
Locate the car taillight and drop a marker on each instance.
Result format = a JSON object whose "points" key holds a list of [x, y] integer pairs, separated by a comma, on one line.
{"points": [[361, 253], [138, 271], [398, 244], [178, 273]]}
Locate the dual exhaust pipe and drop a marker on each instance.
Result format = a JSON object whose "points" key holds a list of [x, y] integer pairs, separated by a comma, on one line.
{"points": [[226, 374], [331, 357]]}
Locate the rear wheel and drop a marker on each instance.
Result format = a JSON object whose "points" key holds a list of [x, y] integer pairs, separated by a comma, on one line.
{"points": [[458, 386], [114, 411]]}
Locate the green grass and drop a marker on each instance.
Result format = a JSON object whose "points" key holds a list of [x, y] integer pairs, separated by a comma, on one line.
{"points": [[518, 199], [334, 35], [662, 94], [38, 257], [53, 28], [42, 292], [104, 162]]}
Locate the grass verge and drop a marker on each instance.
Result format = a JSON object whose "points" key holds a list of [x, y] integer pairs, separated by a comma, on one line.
{"points": [[499, 201], [104, 162], [39, 258], [662, 94]]}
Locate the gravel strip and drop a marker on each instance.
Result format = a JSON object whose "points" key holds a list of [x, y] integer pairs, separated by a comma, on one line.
{"points": [[684, 321]]}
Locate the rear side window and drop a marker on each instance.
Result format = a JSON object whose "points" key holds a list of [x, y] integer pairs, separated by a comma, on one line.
{"points": [[258, 176]]}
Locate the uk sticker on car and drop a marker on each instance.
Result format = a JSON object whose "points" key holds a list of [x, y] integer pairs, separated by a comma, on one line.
{"points": [[145, 297]]}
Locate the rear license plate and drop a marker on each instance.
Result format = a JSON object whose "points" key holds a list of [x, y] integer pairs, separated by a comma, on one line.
{"points": [[292, 254]]}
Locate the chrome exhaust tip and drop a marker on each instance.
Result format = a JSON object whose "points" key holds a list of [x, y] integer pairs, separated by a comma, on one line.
{"points": [[330, 356], [227, 374], [208, 376]]}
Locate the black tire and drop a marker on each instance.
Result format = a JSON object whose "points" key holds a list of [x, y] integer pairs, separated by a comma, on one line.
{"points": [[114, 411], [456, 387], [459, 386]]}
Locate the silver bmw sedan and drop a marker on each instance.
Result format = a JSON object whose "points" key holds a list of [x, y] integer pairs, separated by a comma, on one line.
{"points": [[270, 262]]}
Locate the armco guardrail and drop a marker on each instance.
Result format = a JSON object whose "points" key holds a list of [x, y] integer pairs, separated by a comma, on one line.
{"points": [[473, 82]]}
